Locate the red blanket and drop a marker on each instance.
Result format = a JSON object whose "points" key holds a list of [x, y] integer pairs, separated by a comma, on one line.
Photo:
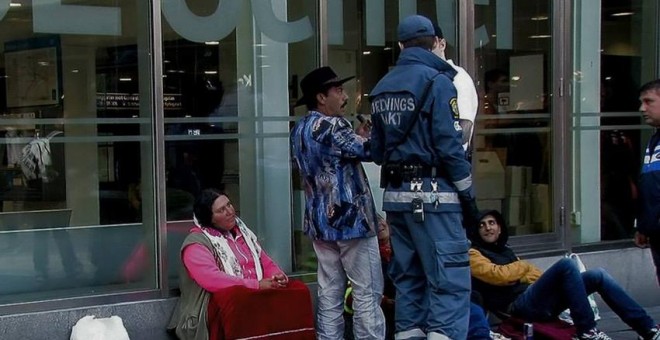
{"points": [[546, 330], [243, 313]]}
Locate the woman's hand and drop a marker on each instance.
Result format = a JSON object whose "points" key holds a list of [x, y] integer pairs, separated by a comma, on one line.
{"points": [[266, 284], [277, 281], [280, 280]]}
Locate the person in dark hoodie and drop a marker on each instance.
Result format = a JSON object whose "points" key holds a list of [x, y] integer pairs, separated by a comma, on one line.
{"points": [[508, 284]]}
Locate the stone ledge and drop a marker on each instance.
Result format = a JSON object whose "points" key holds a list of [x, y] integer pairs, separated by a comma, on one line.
{"points": [[142, 319]]}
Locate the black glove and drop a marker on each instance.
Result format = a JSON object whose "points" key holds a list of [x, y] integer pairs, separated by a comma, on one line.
{"points": [[470, 213]]}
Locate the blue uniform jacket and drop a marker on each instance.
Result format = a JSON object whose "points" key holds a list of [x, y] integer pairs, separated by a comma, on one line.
{"points": [[338, 204], [436, 138], [648, 219]]}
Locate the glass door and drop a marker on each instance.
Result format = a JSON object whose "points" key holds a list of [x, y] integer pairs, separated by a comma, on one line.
{"points": [[615, 51], [515, 73]]}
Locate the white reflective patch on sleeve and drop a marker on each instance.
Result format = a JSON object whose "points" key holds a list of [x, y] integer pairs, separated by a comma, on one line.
{"points": [[464, 184]]}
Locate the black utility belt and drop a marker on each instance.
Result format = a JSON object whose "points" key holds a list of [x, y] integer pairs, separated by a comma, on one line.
{"points": [[395, 173]]}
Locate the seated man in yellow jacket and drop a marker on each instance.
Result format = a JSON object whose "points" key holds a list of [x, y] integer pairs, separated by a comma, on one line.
{"points": [[508, 284]]}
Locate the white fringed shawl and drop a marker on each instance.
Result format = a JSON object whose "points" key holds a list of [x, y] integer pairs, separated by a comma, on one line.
{"points": [[225, 256]]}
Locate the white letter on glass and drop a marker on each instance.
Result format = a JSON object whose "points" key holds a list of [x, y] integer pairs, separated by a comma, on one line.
{"points": [[50, 16], [375, 22], [200, 29], [276, 29], [4, 7]]}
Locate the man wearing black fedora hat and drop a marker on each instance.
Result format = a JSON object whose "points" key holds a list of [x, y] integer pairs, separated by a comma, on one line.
{"points": [[340, 215], [417, 138]]}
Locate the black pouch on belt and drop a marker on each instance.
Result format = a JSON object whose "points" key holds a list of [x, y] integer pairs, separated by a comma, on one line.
{"points": [[391, 173], [418, 209]]}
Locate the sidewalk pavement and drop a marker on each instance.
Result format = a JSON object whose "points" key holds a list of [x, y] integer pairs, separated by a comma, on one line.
{"points": [[612, 325], [617, 330]]}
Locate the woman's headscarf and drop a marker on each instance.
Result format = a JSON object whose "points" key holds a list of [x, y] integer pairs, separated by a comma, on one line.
{"points": [[203, 208], [225, 257]]}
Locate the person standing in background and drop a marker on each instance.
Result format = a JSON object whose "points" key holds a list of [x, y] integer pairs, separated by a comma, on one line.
{"points": [[340, 216], [466, 94], [648, 216]]}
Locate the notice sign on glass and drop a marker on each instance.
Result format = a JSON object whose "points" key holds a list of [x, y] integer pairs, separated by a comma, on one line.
{"points": [[124, 101], [32, 77], [117, 101]]}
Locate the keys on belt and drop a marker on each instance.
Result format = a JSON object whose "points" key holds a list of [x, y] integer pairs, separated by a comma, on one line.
{"points": [[416, 186], [435, 197]]}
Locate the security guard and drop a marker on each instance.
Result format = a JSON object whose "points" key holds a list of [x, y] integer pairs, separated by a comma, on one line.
{"points": [[417, 139]]}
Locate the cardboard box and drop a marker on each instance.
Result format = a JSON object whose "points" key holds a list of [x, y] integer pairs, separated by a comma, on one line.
{"points": [[479, 142], [488, 175], [541, 207], [518, 180], [502, 154], [542, 228], [516, 210], [520, 230]]}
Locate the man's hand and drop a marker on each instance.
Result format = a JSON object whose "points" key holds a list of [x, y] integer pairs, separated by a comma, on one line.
{"points": [[364, 129], [470, 213], [641, 240]]}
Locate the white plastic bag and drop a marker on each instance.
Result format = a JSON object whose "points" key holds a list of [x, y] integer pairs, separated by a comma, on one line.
{"points": [[91, 328], [566, 315]]}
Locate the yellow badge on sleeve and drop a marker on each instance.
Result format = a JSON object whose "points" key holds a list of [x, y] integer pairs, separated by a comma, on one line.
{"points": [[454, 107]]}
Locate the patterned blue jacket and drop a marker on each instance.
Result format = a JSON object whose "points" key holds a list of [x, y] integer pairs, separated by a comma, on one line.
{"points": [[648, 218], [328, 153]]}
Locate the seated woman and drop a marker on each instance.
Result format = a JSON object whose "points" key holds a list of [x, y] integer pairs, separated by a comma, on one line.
{"points": [[508, 284], [221, 255]]}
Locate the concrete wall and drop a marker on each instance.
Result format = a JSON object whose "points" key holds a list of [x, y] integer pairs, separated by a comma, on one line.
{"points": [[632, 268], [143, 320]]}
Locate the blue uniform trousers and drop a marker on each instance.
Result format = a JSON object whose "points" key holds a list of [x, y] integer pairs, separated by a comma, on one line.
{"points": [[431, 272]]}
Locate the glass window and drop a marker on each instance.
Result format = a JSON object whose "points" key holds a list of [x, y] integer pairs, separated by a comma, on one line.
{"points": [[304, 56], [361, 44], [230, 82], [76, 165], [614, 53], [512, 158], [362, 41]]}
